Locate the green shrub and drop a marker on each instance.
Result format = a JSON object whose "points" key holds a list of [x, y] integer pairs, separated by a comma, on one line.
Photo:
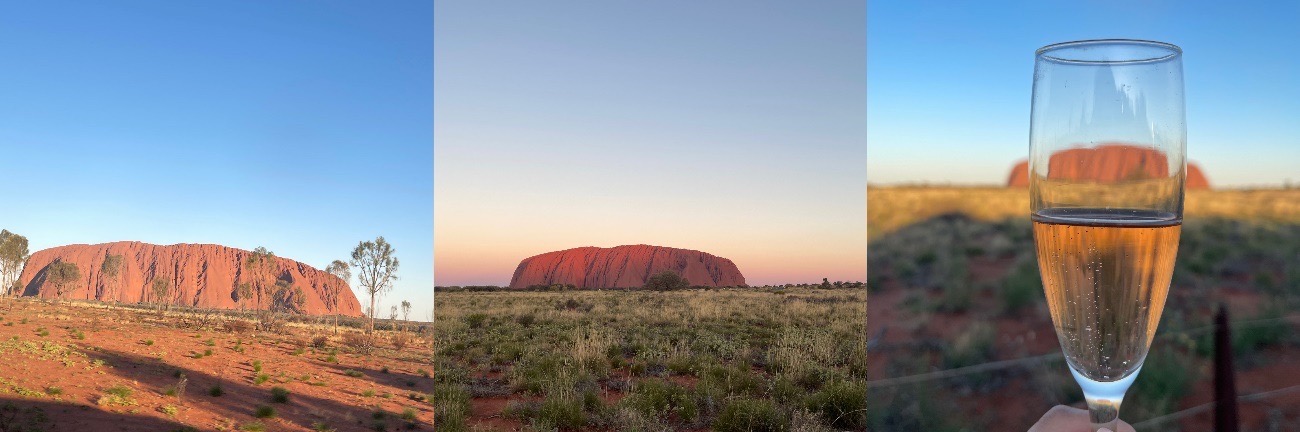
{"points": [[1247, 339], [751, 415], [843, 403], [117, 395], [655, 397], [451, 405], [562, 412], [1022, 287], [475, 320], [1166, 377], [264, 411], [973, 346], [279, 394], [216, 391]]}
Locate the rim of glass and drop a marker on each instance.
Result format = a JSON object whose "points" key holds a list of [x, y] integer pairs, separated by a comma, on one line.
{"points": [[1170, 51]]}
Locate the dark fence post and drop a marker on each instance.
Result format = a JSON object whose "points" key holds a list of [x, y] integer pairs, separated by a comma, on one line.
{"points": [[1225, 386]]}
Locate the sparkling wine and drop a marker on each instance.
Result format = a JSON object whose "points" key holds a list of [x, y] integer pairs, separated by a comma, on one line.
{"points": [[1106, 274]]}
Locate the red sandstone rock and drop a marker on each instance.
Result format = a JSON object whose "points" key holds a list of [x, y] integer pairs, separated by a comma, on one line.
{"points": [[206, 276], [623, 267], [1107, 163]]}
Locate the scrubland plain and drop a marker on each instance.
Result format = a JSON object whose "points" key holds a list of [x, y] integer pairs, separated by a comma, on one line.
{"points": [[735, 359], [954, 283], [90, 366]]}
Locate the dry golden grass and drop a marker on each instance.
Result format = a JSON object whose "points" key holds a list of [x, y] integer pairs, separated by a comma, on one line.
{"points": [[566, 348], [891, 208]]}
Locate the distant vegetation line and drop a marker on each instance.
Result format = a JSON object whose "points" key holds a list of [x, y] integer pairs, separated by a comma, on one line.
{"points": [[894, 207], [665, 281]]}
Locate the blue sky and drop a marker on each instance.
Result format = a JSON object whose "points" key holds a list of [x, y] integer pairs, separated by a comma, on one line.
{"points": [[302, 126], [949, 83], [732, 127]]}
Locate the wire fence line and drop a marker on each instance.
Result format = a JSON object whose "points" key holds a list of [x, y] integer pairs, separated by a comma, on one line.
{"points": [[1005, 364], [1178, 415]]}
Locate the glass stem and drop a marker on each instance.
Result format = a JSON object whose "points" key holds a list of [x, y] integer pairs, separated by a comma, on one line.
{"points": [[1104, 399], [1104, 413]]}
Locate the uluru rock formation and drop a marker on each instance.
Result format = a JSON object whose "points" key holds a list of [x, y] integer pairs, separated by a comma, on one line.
{"points": [[624, 267], [200, 275], [1107, 163]]}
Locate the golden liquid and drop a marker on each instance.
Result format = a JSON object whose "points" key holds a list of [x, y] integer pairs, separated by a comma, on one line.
{"points": [[1106, 274]]}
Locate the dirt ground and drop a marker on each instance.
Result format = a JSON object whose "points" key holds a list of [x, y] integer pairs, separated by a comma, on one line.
{"points": [[1017, 392], [86, 367]]}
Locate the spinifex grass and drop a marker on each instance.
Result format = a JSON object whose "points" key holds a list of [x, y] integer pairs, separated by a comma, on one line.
{"points": [[673, 359]]}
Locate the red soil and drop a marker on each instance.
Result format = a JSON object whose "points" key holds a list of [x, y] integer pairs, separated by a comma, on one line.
{"points": [[1018, 400], [115, 351]]}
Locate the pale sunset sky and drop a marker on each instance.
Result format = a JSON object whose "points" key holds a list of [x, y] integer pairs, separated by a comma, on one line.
{"points": [[725, 127]]}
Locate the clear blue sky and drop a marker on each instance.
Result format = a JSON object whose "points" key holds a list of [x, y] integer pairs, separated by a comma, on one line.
{"points": [[302, 126], [733, 127], [949, 82]]}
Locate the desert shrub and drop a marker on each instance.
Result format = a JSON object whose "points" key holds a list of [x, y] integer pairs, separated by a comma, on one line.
{"points": [[784, 390], [1247, 339], [264, 411], [666, 280], [117, 395], [170, 410], [526, 319], [320, 341], [261, 378], [401, 340], [475, 320], [256, 426], [562, 411], [655, 397], [843, 403], [279, 394], [733, 380], [325, 427], [450, 406], [53, 391], [1022, 287], [973, 346], [237, 326], [216, 390], [359, 342], [1166, 377], [353, 373], [257, 365], [682, 365], [957, 297], [751, 415]]}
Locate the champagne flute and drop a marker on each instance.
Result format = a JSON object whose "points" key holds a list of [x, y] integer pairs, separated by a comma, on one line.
{"points": [[1107, 147]]}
